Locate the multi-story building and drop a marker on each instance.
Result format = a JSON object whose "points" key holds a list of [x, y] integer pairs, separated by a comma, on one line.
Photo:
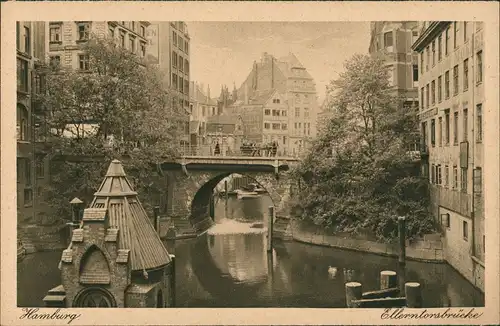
{"points": [[31, 166], [393, 40], [66, 39], [201, 107], [169, 48], [296, 93], [451, 110]]}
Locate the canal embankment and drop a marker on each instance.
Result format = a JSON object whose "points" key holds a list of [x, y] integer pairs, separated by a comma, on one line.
{"points": [[429, 248]]}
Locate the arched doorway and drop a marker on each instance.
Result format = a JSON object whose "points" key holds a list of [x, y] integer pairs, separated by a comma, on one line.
{"points": [[94, 297]]}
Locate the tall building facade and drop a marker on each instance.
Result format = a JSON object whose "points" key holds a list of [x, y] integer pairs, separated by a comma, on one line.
{"points": [[297, 106], [66, 39], [169, 49], [201, 107], [31, 167], [393, 41], [452, 102]]}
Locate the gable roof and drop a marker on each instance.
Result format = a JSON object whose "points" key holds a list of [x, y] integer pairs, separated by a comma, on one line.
{"points": [[125, 213]]}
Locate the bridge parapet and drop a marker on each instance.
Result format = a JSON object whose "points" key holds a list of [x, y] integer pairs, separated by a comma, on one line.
{"points": [[239, 160]]}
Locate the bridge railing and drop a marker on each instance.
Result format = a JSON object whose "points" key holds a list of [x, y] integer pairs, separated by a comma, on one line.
{"points": [[210, 150]]}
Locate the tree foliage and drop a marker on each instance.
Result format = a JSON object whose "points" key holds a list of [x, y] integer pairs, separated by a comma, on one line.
{"points": [[358, 173], [117, 108]]}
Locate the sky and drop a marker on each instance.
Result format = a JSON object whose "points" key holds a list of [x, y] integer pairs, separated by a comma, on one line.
{"points": [[223, 52]]}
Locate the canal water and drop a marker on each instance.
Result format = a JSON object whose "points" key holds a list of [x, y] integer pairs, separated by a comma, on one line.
{"points": [[230, 267]]}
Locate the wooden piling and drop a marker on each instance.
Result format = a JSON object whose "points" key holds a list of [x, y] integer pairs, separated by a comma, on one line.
{"points": [[402, 239], [353, 291], [225, 189], [270, 222], [388, 279], [172, 281], [413, 295]]}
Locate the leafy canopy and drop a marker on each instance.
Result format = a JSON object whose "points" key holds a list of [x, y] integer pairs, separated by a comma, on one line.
{"points": [[359, 176], [118, 107]]}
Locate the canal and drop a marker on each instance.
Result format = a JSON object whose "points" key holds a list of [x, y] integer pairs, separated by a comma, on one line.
{"points": [[229, 267]]}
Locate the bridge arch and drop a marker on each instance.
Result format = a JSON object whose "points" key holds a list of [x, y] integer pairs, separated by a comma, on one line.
{"points": [[200, 203]]}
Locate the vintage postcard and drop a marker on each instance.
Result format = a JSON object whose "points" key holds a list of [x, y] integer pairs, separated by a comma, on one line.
{"points": [[276, 162]]}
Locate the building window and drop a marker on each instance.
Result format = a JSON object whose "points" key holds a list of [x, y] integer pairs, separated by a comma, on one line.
{"points": [[440, 45], [186, 47], [479, 60], [433, 92], [266, 125], [455, 128], [174, 59], [181, 83], [415, 73], [466, 74], [465, 32], [297, 112], [22, 123], [440, 131], [133, 26], [479, 122], [447, 126], [306, 113], [465, 228], [83, 59], [122, 40], [55, 33], [174, 38], [447, 84], [446, 175], [186, 66], [388, 39], [22, 75], [455, 34], [427, 96], [422, 62], [455, 80], [447, 41], [433, 132], [439, 180], [83, 32], [433, 53], [143, 31], [267, 112], [428, 59], [27, 40], [28, 197], [186, 88], [181, 64], [132, 44], [143, 49], [283, 113], [18, 33], [465, 125], [455, 177], [174, 81], [284, 126], [433, 174], [440, 91]]}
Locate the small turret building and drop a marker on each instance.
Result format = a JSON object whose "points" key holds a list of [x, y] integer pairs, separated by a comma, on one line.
{"points": [[115, 257]]}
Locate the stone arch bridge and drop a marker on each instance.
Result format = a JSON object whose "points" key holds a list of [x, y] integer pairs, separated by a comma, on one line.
{"points": [[191, 181]]}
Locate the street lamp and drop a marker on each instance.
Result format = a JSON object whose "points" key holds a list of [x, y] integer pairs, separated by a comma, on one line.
{"points": [[76, 206]]}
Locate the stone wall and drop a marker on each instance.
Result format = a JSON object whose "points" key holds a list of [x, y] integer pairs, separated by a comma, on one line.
{"points": [[430, 248]]}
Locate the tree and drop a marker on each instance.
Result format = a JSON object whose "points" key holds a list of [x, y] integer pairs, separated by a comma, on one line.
{"points": [[358, 173], [118, 107]]}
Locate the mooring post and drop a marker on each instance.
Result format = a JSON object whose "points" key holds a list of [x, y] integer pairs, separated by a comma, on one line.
{"points": [[388, 279], [172, 281], [270, 222], [156, 211], [225, 190], [413, 295], [402, 239], [353, 291]]}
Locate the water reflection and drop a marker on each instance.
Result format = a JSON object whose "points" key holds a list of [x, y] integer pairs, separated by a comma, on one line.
{"points": [[230, 267]]}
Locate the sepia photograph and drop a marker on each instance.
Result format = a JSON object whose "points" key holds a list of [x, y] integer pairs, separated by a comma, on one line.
{"points": [[251, 164]]}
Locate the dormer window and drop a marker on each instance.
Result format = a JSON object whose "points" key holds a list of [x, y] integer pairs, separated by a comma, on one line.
{"points": [[276, 100]]}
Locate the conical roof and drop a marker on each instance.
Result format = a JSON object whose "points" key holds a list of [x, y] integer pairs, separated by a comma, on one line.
{"points": [[125, 213]]}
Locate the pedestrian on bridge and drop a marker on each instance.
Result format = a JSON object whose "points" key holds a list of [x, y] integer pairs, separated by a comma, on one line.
{"points": [[217, 149]]}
